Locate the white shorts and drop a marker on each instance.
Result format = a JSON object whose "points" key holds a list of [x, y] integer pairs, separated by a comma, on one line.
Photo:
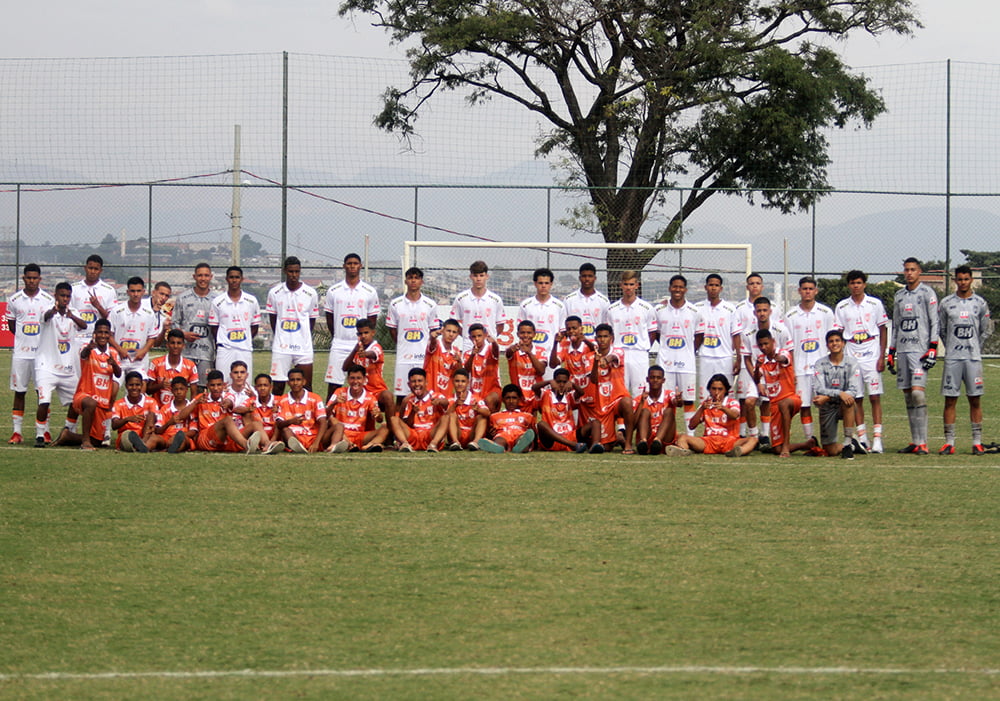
{"points": [[22, 372], [804, 388], [636, 369], [746, 388], [139, 366], [281, 363], [709, 367], [400, 384], [871, 379], [335, 374], [225, 357], [63, 385], [682, 384]]}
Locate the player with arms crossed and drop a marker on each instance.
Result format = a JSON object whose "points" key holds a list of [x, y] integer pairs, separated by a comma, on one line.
{"points": [[808, 322], [292, 307], [681, 331], [915, 338], [25, 312], [965, 324], [345, 303], [411, 319], [863, 320]]}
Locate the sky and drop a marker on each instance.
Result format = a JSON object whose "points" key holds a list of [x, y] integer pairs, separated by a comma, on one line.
{"points": [[962, 30]]}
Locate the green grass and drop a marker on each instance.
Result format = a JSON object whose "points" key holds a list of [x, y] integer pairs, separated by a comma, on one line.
{"points": [[122, 563]]}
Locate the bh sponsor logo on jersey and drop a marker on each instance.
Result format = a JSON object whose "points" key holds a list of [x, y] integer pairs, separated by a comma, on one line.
{"points": [[290, 325], [541, 337], [711, 342], [30, 329], [237, 335], [675, 342], [63, 347], [810, 346], [413, 335], [860, 336], [629, 339], [349, 322], [88, 316]]}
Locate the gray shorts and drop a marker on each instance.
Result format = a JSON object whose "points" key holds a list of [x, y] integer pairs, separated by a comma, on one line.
{"points": [[909, 372], [957, 372], [830, 414]]}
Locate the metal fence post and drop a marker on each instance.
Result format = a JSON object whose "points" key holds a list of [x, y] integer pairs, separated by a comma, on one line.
{"points": [[149, 239], [947, 184], [284, 159]]}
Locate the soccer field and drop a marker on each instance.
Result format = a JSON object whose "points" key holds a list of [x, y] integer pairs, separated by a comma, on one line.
{"points": [[473, 575]]}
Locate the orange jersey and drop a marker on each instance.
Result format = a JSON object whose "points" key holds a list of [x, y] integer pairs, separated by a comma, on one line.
{"points": [[164, 415], [440, 366], [267, 414], [717, 423], [511, 425], [161, 371], [522, 371], [778, 380], [557, 410], [578, 361], [611, 381], [309, 405], [374, 380], [356, 413], [96, 376], [657, 407], [425, 414], [135, 413], [484, 376], [467, 410], [209, 412]]}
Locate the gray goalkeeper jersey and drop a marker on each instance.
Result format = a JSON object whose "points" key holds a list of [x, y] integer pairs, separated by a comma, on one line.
{"points": [[830, 380], [914, 319], [965, 324]]}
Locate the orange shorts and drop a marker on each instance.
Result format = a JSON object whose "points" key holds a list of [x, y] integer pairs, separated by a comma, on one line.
{"points": [[355, 438], [207, 442], [776, 437], [511, 436], [419, 438], [719, 445], [306, 438], [565, 430], [100, 414]]}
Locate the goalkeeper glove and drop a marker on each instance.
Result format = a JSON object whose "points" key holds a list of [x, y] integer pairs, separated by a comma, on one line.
{"points": [[890, 361], [930, 357]]}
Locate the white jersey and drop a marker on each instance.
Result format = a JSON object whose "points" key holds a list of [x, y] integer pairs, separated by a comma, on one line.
{"points": [[748, 317], [808, 329], [862, 325], [632, 324], [783, 344], [82, 292], [486, 310], [132, 329], [235, 321], [292, 310], [26, 312], [57, 353], [678, 327], [549, 317], [413, 320], [348, 304], [722, 322], [591, 309]]}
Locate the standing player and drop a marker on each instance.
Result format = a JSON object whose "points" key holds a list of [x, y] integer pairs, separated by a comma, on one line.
{"points": [[234, 319], [546, 312], [345, 303], [57, 362], [863, 320], [411, 319], [965, 324], [836, 385], [443, 356], [633, 321], [748, 394], [680, 330], [134, 329], [292, 307], [25, 312], [162, 309], [587, 303], [915, 339], [745, 308], [808, 323], [191, 314], [92, 298], [477, 305], [719, 353], [775, 375]]}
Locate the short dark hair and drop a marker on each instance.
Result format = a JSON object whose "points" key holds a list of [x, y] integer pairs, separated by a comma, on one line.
{"points": [[291, 260], [460, 371], [512, 388], [478, 267], [452, 322], [233, 364], [135, 280], [560, 372], [762, 300], [604, 327], [102, 323], [713, 276], [856, 275], [64, 286], [414, 272], [94, 258], [357, 368], [588, 268], [163, 283], [834, 332], [416, 372], [262, 375], [132, 374], [915, 261], [655, 367], [806, 280], [175, 333], [32, 268], [542, 272], [476, 327], [352, 255], [719, 377], [753, 275], [201, 265], [179, 380], [573, 317], [762, 334], [678, 276], [963, 270], [296, 371], [234, 268], [215, 375], [362, 323], [526, 322]]}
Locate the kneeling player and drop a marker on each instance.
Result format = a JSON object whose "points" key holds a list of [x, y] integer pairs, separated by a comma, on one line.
{"points": [[655, 418], [721, 415], [512, 428], [353, 411], [836, 386], [421, 425], [557, 430], [133, 416], [468, 415]]}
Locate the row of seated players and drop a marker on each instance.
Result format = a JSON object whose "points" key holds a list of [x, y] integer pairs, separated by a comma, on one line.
{"points": [[580, 413]]}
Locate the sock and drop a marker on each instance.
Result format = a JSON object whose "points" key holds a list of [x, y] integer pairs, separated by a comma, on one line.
{"points": [[877, 430], [71, 425], [107, 430], [18, 418], [977, 434], [743, 428], [920, 415], [848, 433], [753, 431], [807, 426], [949, 434], [688, 415], [862, 434], [40, 429], [765, 426]]}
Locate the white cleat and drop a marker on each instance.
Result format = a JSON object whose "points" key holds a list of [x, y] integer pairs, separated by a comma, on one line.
{"points": [[876, 445]]}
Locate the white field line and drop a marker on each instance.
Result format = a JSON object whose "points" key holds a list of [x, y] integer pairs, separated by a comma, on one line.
{"points": [[501, 671]]}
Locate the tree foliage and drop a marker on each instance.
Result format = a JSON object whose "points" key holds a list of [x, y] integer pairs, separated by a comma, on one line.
{"points": [[733, 95]]}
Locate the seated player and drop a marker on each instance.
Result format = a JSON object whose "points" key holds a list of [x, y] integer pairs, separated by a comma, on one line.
{"points": [[443, 356], [526, 362], [421, 424], [353, 412], [242, 398], [210, 413], [265, 411], [468, 415], [171, 432], [513, 428], [775, 376], [557, 430], [655, 418], [133, 416], [96, 389], [721, 415], [836, 384], [301, 416], [165, 368], [368, 354], [612, 400], [483, 364]]}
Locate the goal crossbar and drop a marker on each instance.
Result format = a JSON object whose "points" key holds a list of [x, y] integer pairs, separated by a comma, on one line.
{"points": [[408, 247]]}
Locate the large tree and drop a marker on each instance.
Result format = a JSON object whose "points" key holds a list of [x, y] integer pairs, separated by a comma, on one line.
{"points": [[733, 95]]}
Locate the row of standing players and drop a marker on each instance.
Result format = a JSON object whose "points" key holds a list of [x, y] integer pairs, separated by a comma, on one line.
{"points": [[721, 338]]}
